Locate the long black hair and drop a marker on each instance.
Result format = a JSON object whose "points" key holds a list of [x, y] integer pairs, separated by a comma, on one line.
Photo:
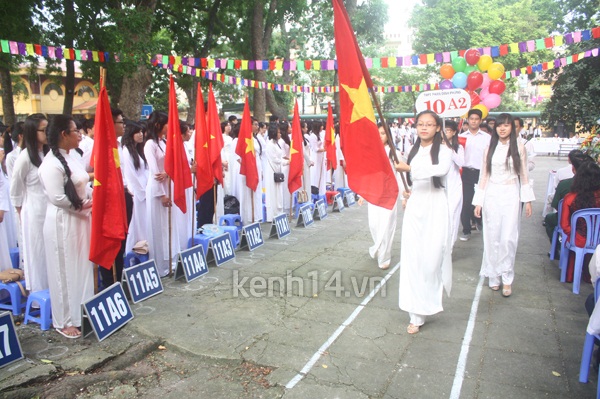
{"points": [[283, 129], [513, 149], [435, 147], [392, 148], [454, 140], [156, 123], [136, 150], [30, 141], [60, 124], [585, 183]]}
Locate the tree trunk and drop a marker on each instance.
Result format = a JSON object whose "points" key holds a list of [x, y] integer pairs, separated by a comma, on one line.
{"points": [[135, 85], [133, 91], [68, 22], [8, 106], [258, 53]]}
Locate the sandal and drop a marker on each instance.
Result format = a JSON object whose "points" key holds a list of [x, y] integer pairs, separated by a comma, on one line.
{"points": [[495, 288], [67, 333], [385, 266], [412, 329], [506, 291]]}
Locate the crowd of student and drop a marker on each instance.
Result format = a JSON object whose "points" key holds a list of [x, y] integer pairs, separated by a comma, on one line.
{"points": [[475, 178]]}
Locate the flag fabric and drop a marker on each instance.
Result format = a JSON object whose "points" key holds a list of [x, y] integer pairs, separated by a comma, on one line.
{"points": [[245, 150], [330, 140], [109, 218], [204, 172], [368, 168], [296, 153], [215, 136], [176, 161]]}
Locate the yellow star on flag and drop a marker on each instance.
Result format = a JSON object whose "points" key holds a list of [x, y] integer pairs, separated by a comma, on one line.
{"points": [[250, 146], [292, 149], [362, 102], [117, 160]]}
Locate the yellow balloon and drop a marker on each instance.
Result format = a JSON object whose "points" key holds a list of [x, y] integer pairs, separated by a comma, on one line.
{"points": [[496, 71], [483, 110], [484, 62]]}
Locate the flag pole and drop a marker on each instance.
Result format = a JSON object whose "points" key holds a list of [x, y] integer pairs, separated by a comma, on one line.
{"points": [[388, 134], [252, 200], [170, 231]]}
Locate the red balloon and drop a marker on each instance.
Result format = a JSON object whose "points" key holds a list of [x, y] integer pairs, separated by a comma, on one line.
{"points": [[474, 80], [475, 99], [497, 86], [472, 56]]}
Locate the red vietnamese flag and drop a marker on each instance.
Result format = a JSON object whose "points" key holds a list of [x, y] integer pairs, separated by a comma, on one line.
{"points": [[296, 153], [176, 162], [245, 150], [109, 219], [369, 171], [204, 173], [215, 136], [330, 140]]}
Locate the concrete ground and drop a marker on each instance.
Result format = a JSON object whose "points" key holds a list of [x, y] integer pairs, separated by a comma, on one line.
{"points": [[301, 317]]}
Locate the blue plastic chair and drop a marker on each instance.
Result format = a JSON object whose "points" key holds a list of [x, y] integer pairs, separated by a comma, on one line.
{"points": [[44, 313], [592, 221], [588, 350], [557, 230]]}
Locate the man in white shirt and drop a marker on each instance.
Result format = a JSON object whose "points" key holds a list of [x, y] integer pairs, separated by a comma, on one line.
{"points": [[476, 143]]}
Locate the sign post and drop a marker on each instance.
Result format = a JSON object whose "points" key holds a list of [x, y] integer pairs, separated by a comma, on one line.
{"points": [[222, 249], [305, 215], [105, 312], [251, 237], [338, 203], [142, 281], [280, 226], [191, 263], [320, 210], [10, 347]]}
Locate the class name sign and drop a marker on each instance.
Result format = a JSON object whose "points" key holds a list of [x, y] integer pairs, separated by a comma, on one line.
{"points": [[192, 264], [143, 281], [106, 312], [252, 237], [10, 347]]}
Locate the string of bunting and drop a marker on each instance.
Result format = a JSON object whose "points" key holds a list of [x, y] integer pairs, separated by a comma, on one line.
{"points": [[59, 53], [385, 62], [234, 80]]}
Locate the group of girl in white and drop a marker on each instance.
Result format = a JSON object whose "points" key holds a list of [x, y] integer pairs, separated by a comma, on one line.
{"points": [[46, 185], [432, 207], [50, 197]]}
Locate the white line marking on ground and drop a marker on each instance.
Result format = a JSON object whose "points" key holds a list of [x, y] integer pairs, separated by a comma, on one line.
{"points": [[313, 360], [464, 351]]}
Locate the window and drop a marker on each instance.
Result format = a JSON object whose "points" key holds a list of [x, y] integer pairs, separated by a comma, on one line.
{"points": [[53, 87]]}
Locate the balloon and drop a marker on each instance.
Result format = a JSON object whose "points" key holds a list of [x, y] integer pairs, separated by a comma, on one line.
{"points": [[483, 110], [447, 71], [474, 80], [486, 81], [475, 99], [446, 84], [492, 100], [495, 71], [484, 93], [497, 87], [484, 62], [469, 69], [472, 56], [459, 80], [459, 64]]}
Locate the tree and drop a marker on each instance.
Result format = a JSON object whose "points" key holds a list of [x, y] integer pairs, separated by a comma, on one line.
{"points": [[17, 25], [575, 99]]}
